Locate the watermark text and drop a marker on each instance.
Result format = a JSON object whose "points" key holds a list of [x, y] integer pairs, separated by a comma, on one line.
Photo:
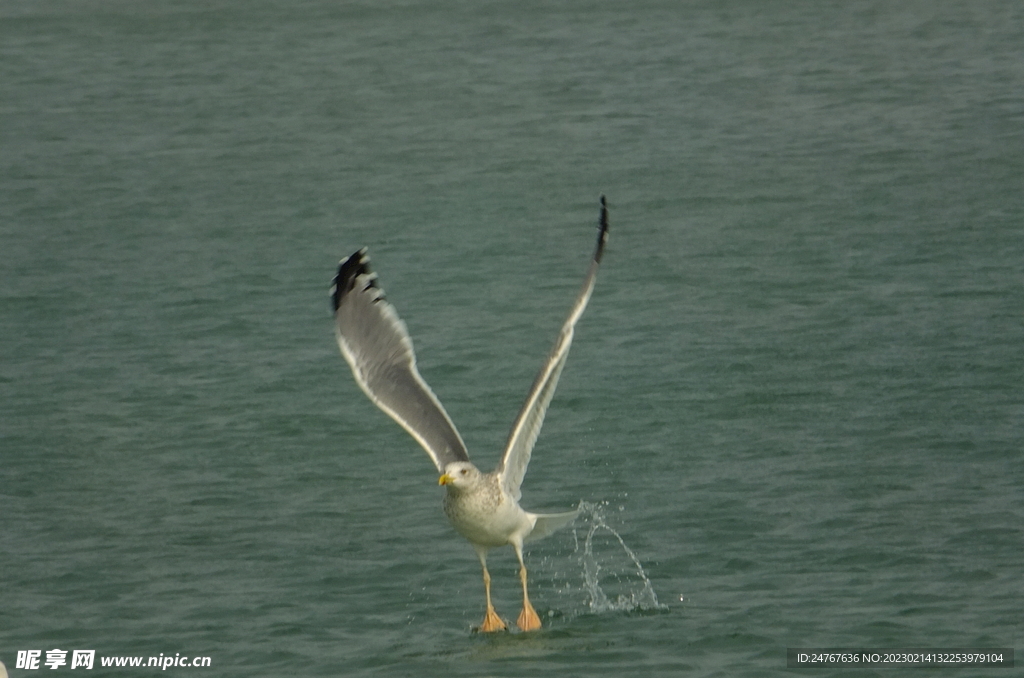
{"points": [[87, 659]]}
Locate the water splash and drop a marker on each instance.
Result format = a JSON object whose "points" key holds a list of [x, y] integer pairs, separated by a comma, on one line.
{"points": [[613, 577]]}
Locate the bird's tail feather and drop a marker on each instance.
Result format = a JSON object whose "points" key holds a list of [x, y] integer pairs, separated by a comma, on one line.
{"points": [[549, 522]]}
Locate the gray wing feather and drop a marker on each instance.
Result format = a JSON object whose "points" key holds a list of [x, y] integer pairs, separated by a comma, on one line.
{"points": [[377, 346], [527, 426]]}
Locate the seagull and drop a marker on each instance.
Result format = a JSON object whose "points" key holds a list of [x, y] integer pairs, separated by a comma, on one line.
{"points": [[482, 507]]}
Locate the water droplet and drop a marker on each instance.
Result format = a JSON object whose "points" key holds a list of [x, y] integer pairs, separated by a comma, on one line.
{"points": [[638, 595]]}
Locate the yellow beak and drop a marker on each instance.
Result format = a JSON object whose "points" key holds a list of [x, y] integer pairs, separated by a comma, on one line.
{"points": [[444, 479]]}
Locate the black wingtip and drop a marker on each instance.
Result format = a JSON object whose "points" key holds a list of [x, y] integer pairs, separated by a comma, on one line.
{"points": [[602, 235], [348, 270]]}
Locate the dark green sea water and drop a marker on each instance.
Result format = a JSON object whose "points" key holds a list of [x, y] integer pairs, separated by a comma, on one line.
{"points": [[796, 395]]}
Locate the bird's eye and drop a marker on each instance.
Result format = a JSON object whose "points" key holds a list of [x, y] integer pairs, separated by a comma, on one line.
{"points": [[464, 471]]}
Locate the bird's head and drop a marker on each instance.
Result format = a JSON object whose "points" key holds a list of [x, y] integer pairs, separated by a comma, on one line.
{"points": [[460, 476]]}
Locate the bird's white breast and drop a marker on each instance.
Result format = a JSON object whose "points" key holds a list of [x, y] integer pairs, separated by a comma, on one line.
{"points": [[486, 516]]}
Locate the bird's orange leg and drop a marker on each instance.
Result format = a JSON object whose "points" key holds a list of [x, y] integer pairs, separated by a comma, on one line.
{"points": [[528, 619], [492, 622]]}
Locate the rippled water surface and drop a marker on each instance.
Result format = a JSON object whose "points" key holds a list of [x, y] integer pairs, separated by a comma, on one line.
{"points": [[793, 407]]}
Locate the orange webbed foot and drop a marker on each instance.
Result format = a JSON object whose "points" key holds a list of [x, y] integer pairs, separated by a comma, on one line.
{"points": [[492, 622], [528, 619]]}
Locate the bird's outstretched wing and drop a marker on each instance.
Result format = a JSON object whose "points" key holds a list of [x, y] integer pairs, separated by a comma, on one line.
{"points": [[526, 428], [376, 344]]}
